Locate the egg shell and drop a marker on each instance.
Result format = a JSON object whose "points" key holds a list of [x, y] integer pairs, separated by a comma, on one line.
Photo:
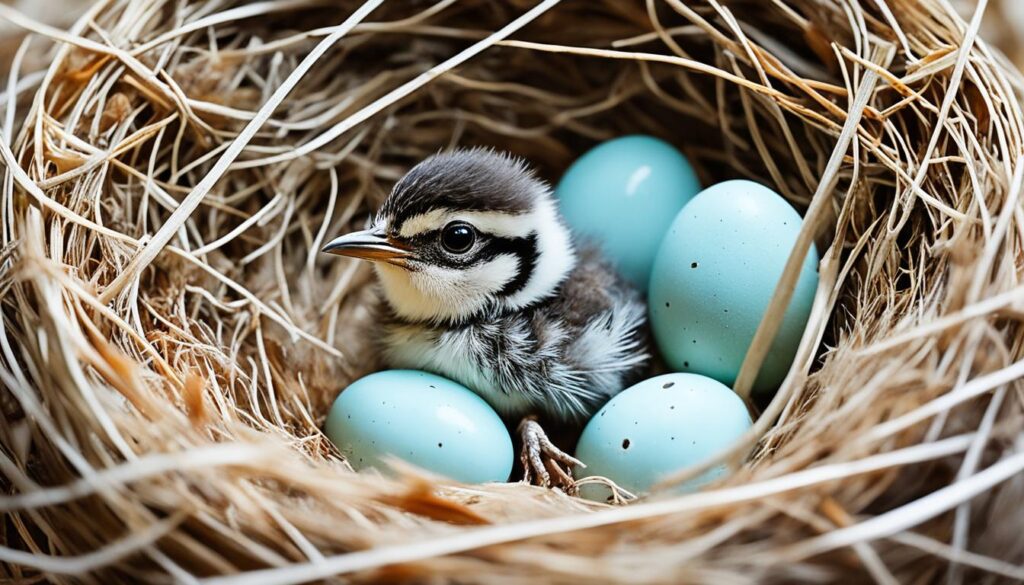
{"points": [[657, 427], [623, 194], [424, 419], [715, 274]]}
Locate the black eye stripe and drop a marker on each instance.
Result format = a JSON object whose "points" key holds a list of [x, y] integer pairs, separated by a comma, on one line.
{"points": [[525, 250], [430, 251]]}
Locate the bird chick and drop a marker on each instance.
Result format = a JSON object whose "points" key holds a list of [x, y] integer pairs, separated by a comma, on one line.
{"points": [[483, 283]]}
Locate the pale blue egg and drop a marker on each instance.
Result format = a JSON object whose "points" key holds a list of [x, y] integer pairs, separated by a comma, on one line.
{"points": [[714, 276], [427, 420], [658, 427], [623, 194]]}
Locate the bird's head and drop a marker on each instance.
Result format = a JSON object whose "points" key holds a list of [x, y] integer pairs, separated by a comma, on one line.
{"points": [[462, 232]]}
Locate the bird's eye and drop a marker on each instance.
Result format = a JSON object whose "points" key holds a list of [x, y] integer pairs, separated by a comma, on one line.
{"points": [[458, 237]]}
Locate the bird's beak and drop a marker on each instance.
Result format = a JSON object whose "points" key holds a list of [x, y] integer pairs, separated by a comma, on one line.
{"points": [[369, 244]]}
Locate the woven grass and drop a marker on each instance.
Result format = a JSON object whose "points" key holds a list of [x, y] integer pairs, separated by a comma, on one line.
{"points": [[171, 339]]}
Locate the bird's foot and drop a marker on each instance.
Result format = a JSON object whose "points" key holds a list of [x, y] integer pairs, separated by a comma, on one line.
{"points": [[543, 462]]}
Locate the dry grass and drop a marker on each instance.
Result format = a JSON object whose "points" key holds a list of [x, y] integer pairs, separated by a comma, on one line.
{"points": [[171, 339]]}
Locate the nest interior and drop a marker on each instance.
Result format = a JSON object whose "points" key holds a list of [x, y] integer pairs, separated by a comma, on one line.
{"points": [[171, 340]]}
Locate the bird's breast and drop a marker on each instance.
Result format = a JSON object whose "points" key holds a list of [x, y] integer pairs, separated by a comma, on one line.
{"points": [[461, 355]]}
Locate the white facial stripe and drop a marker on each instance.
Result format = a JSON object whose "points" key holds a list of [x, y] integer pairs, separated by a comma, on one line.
{"points": [[424, 222], [509, 225], [506, 225]]}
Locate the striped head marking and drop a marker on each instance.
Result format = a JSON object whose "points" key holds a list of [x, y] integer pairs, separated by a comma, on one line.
{"points": [[464, 232]]}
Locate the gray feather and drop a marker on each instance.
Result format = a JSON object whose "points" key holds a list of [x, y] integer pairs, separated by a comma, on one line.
{"points": [[565, 356]]}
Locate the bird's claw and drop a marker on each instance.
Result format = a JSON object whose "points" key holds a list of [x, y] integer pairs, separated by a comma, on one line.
{"points": [[543, 461]]}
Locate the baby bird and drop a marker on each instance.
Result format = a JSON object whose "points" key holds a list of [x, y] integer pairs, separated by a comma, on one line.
{"points": [[483, 283]]}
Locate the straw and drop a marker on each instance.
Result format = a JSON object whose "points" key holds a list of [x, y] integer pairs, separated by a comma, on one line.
{"points": [[170, 340]]}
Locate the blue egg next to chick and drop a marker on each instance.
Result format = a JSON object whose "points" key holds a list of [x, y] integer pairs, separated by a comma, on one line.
{"points": [[623, 195], [424, 419], [657, 427], [715, 274]]}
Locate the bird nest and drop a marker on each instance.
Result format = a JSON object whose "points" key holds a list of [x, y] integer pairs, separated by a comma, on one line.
{"points": [[171, 339]]}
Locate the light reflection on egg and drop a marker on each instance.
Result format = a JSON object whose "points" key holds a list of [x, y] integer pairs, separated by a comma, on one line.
{"points": [[622, 195]]}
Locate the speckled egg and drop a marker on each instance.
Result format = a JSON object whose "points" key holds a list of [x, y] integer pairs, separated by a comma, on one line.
{"points": [[427, 420], [658, 427], [623, 194], [714, 276]]}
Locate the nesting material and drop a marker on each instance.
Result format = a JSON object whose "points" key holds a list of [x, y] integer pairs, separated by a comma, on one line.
{"points": [[171, 340]]}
